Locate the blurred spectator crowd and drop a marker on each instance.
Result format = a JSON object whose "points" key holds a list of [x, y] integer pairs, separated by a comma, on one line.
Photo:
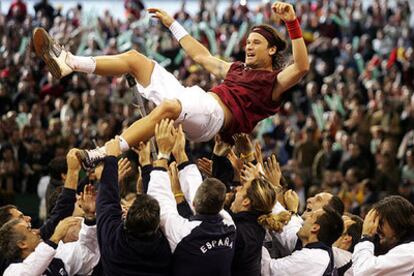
{"points": [[347, 128]]}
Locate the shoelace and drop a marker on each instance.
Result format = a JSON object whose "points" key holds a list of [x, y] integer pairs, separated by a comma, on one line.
{"points": [[57, 49], [95, 155]]}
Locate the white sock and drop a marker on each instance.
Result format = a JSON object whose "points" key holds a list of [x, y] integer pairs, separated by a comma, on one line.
{"points": [[102, 149], [123, 144], [81, 64]]}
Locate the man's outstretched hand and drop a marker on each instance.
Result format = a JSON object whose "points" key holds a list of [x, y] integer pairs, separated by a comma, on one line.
{"points": [[164, 17], [165, 135], [284, 10]]}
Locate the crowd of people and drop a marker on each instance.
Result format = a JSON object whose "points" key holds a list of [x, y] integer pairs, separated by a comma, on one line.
{"points": [[339, 151]]}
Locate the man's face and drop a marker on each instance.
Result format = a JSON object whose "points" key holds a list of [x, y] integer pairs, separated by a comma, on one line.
{"points": [[316, 202], [386, 234], [309, 224], [241, 202], [31, 238], [16, 214], [344, 242], [257, 51]]}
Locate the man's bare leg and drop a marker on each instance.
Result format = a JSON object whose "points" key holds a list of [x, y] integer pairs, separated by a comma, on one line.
{"points": [[61, 63], [141, 130]]}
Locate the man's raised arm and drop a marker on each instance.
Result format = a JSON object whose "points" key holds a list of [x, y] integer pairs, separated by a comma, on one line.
{"points": [[292, 74], [191, 46]]}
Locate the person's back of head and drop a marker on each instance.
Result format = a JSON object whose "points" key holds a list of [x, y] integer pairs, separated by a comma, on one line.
{"points": [[399, 213], [57, 167], [331, 226], [5, 213], [9, 239], [143, 217], [263, 197], [354, 230], [336, 203], [210, 196]]}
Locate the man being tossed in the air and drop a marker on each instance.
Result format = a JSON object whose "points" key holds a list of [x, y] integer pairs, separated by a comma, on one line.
{"points": [[250, 91]]}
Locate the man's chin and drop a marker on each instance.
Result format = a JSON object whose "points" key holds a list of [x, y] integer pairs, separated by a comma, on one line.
{"points": [[250, 63]]}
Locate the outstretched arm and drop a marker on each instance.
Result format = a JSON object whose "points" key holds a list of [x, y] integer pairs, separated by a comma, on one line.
{"points": [[66, 201], [294, 72], [192, 47]]}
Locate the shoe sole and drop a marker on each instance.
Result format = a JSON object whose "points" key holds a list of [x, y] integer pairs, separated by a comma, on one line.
{"points": [[43, 44]]}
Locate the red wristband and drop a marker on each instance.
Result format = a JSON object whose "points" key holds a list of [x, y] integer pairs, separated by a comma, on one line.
{"points": [[294, 29]]}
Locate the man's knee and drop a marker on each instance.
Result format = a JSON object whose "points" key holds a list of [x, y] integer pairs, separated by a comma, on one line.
{"points": [[133, 53], [140, 66], [168, 109]]}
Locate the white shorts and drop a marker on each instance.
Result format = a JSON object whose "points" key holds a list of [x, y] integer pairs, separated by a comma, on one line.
{"points": [[201, 115]]}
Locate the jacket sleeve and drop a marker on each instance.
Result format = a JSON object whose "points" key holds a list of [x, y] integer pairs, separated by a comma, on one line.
{"points": [[146, 176], [82, 256], [184, 209], [173, 225], [108, 207], [35, 264], [223, 170], [398, 261], [190, 179], [288, 237], [64, 208]]}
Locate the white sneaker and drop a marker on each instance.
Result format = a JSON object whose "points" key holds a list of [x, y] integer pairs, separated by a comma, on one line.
{"points": [[52, 53], [91, 158]]}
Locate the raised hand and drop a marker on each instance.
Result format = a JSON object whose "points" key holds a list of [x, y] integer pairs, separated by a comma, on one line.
{"points": [[249, 173], [62, 228], [236, 163], [220, 148], [258, 154], [284, 10], [205, 165], [87, 201], [244, 146], [144, 153], [72, 160], [164, 17], [139, 184], [165, 135], [371, 222], [272, 171], [179, 147], [124, 169], [175, 183], [291, 200]]}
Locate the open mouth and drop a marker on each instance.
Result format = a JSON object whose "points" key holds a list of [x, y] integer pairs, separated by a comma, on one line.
{"points": [[249, 55]]}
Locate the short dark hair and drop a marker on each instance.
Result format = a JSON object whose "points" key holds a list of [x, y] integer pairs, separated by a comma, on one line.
{"points": [[9, 238], [5, 214], [336, 203], [354, 230], [210, 196], [331, 226], [399, 213], [57, 167], [143, 217]]}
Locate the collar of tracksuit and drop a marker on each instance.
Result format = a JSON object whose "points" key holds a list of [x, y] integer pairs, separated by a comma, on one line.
{"points": [[207, 218]]}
